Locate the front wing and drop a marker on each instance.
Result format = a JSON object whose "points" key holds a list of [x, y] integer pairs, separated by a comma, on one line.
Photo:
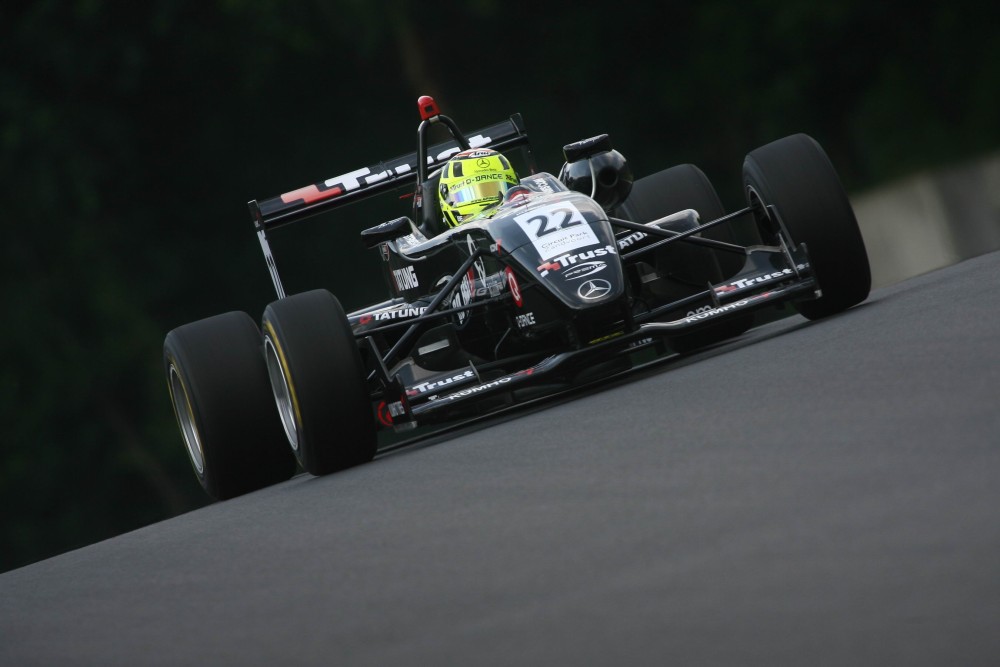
{"points": [[771, 275]]}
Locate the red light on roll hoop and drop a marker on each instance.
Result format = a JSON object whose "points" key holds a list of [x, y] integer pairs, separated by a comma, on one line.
{"points": [[428, 107]]}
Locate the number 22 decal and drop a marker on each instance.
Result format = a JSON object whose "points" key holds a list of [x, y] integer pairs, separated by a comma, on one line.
{"points": [[556, 228], [547, 224]]}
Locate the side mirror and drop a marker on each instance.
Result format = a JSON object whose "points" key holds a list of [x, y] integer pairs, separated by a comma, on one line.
{"points": [[387, 231]]}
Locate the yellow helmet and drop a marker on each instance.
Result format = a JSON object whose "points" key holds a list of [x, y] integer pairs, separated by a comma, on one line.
{"points": [[473, 181]]}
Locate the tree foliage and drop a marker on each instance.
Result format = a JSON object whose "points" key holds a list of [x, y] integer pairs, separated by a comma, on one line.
{"points": [[132, 134]]}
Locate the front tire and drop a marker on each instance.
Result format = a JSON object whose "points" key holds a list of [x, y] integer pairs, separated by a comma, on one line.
{"points": [[795, 175], [222, 400], [318, 380]]}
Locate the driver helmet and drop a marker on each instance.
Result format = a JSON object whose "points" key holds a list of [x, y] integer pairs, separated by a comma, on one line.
{"points": [[471, 182]]}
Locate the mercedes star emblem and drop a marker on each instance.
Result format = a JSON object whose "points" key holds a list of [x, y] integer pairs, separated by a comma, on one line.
{"points": [[594, 289]]}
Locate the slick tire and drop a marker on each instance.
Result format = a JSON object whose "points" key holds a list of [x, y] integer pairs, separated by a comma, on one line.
{"points": [[671, 190], [795, 176], [319, 383], [222, 399], [675, 189]]}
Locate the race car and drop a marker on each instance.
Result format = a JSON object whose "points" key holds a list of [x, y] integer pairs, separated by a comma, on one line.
{"points": [[572, 277]]}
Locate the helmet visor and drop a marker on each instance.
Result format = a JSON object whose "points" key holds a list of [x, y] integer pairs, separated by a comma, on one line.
{"points": [[479, 192]]}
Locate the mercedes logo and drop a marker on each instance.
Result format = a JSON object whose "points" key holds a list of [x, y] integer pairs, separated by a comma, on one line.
{"points": [[594, 289]]}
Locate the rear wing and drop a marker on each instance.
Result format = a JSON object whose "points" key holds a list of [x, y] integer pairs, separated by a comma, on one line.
{"points": [[381, 177]]}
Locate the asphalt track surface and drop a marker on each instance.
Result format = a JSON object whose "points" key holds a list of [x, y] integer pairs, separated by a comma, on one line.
{"points": [[819, 493]]}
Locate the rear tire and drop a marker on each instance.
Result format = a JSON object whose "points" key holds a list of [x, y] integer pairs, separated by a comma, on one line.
{"points": [[319, 383], [675, 189], [795, 175], [222, 400], [671, 190]]}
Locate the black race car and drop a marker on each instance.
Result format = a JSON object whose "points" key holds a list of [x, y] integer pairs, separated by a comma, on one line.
{"points": [[572, 277]]}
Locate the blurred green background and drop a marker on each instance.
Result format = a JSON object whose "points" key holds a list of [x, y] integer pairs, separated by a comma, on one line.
{"points": [[133, 134]]}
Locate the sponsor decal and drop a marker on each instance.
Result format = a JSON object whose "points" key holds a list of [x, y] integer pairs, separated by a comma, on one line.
{"points": [[358, 178], [744, 283], [481, 177], [515, 289], [584, 270], [594, 288], [311, 193], [640, 343], [491, 289], [556, 228], [562, 261], [712, 312], [463, 296], [525, 320], [478, 140], [493, 285], [698, 311], [634, 237], [395, 314], [475, 390], [425, 387], [541, 185], [338, 185], [480, 153], [478, 264], [601, 339], [383, 414], [405, 278]]}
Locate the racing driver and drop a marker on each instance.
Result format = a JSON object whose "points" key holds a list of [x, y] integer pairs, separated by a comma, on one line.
{"points": [[473, 181]]}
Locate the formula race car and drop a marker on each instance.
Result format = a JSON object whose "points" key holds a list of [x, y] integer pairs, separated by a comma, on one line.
{"points": [[569, 278]]}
